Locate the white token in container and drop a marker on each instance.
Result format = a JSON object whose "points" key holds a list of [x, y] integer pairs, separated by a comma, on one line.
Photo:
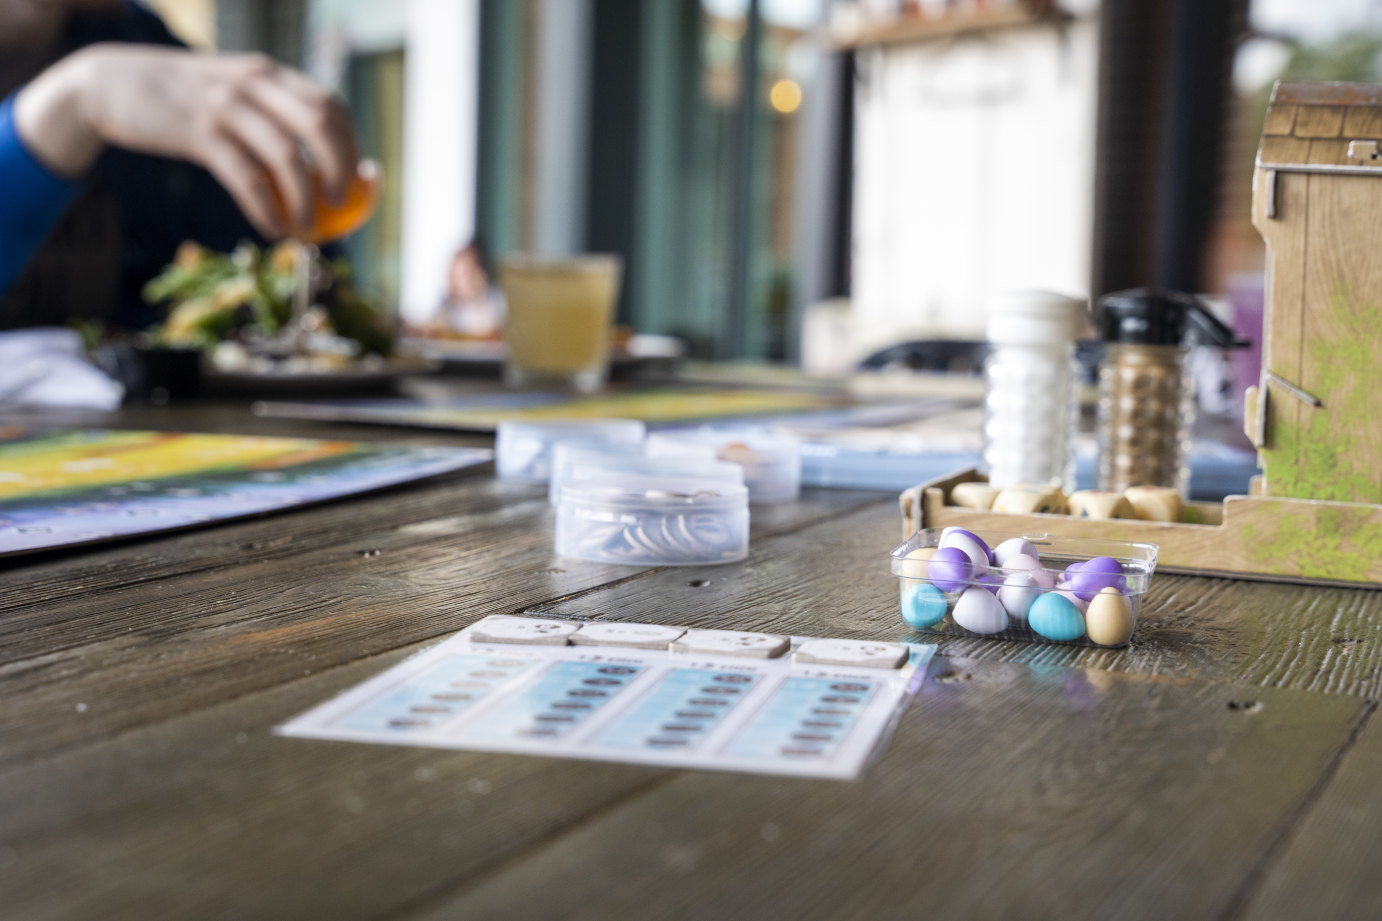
{"points": [[858, 653], [636, 636], [731, 643], [536, 631]]}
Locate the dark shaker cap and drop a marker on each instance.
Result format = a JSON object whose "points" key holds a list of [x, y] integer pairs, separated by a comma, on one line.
{"points": [[1145, 316]]}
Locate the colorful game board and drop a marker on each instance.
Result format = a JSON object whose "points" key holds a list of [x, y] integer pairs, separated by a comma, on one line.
{"points": [[638, 693], [68, 488], [484, 413]]}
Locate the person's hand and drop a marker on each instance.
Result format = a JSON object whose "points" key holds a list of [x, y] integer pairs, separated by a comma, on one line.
{"points": [[254, 124]]}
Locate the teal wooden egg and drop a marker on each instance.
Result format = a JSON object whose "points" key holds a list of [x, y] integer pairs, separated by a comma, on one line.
{"points": [[1055, 618], [923, 605]]}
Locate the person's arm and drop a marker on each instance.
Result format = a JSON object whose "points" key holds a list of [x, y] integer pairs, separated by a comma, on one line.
{"points": [[246, 119], [32, 198]]}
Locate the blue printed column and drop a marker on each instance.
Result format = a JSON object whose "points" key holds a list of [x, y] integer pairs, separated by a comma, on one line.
{"points": [[679, 712], [446, 690], [805, 718], [563, 697]]}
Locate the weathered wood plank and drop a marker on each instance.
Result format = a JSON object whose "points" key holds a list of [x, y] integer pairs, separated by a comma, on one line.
{"points": [[138, 653], [1328, 868], [1008, 792], [210, 816], [834, 580]]}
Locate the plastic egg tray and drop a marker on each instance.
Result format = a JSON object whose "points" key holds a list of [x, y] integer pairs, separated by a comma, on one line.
{"points": [[1036, 588]]}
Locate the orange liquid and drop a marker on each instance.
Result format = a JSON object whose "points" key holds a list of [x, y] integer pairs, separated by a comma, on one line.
{"points": [[332, 222]]}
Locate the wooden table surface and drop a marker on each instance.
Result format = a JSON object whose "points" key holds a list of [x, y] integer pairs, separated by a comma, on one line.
{"points": [[1222, 767]]}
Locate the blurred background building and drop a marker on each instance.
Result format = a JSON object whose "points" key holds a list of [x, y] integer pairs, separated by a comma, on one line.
{"points": [[872, 169]]}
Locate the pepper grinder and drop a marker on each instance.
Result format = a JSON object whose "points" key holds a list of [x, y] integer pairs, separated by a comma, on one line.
{"points": [[1146, 394]]}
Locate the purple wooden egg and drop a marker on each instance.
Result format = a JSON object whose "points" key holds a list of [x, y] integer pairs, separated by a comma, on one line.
{"points": [[989, 581], [970, 543], [1097, 574], [949, 569]]}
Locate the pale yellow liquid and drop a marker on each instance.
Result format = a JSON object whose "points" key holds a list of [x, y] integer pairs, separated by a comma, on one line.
{"points": [[559, 317]]}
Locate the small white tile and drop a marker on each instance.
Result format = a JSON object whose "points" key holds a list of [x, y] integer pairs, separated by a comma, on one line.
{"points": [[856, 653], [533, 631], [637, 636], [732, 643]]}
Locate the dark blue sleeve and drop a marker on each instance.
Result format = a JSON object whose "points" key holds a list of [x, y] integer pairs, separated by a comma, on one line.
{"points": [[31, 199]]}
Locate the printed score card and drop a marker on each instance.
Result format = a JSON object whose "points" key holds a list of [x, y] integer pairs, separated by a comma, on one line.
{"points": [[704, 699]]}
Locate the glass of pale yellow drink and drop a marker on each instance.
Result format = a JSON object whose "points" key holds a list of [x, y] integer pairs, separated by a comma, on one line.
{"points": [[560, 314]]}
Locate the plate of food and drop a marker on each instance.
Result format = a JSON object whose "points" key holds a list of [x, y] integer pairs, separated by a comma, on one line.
{"points": [[276, 320]]}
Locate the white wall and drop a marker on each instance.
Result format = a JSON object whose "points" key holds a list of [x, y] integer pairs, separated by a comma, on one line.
{"points": [[440, 113], [974, 172]]}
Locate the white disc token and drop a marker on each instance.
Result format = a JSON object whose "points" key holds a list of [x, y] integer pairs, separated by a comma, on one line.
{"points": [[638, 636], [860, 653], [732, 643], [537, 631]]}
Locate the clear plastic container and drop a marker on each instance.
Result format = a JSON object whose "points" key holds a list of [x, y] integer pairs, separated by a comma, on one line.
{"points": [[771, 460], [523, 450], [567, 455], [1041, 600], [1031, 408], [653, 521], [582, 462]]}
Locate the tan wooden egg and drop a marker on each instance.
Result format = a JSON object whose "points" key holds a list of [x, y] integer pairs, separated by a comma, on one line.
{"points": [[1100, 503], [914, 563], [1109, 622], [1154, 503], [977, 496], [1030, 499]]}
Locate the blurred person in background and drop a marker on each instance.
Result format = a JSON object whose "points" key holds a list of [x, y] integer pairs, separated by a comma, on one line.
{"points": [[117, 144], [473, 307]]}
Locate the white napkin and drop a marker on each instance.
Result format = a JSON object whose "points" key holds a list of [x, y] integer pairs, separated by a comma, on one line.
{"points": [[47, 367]]}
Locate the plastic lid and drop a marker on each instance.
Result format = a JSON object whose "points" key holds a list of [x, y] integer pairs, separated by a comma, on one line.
{"points": [[572, 462], [1146, 316], [654, 493], [1035, 318], [691, 469]]}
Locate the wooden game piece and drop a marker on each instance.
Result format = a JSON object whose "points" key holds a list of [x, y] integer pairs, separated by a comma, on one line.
{"points": [[1031, 499], [533, 631], [973, 495], [1155, 503], [634, 636], [731, 643], [1100, 503], [857, 653]]}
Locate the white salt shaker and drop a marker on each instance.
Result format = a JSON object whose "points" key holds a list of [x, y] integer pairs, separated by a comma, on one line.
{"points": [[1031, 405]]}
